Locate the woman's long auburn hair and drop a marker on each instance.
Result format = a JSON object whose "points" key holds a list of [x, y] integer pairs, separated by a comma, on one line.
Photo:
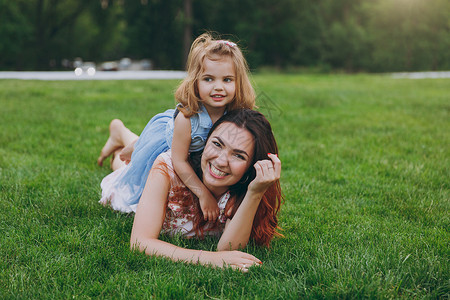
{"points": [[265, 223], [205, 46]]}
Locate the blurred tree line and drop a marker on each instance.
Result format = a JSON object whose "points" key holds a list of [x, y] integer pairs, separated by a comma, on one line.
{"points": [[351, 35]]}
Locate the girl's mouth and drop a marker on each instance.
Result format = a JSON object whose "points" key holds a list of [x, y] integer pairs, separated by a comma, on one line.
{"points": [[216, 173]]}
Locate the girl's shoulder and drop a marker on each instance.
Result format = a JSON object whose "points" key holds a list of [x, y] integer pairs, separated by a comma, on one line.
{"points": [[196, 120], [203, 117]]}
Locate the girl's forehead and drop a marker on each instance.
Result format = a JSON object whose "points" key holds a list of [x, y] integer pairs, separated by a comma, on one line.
{"points": [[217, 58], [221, 67]]}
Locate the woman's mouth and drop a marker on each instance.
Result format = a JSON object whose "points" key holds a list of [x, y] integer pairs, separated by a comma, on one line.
{"points": [[216, 173]]}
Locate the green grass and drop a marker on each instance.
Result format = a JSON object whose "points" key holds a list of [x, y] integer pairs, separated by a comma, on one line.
{"points": [[366, 165]]}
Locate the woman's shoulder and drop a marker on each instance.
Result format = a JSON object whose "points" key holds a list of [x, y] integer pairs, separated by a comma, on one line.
{"points": [[163, 163], [164, 159]]}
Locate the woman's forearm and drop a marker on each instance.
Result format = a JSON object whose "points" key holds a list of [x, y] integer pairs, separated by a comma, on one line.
{"points": [[160, 248], [234, 259], [237, 231]]}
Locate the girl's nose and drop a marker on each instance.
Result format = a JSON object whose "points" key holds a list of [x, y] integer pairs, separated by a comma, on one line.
{"points": [[218, 86]]}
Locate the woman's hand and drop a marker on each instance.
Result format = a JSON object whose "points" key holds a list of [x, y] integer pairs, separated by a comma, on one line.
{"points": [[267, 172], [234, 259]]}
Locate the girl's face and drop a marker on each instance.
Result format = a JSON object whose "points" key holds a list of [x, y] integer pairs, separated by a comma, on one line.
{"points": [[227, 156], [217, 82]]}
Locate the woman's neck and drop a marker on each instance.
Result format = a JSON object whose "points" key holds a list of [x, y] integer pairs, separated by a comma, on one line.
{"points": [[216, 191]]}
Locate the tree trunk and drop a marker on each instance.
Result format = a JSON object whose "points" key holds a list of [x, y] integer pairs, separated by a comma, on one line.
{"points": [[187, 35]]}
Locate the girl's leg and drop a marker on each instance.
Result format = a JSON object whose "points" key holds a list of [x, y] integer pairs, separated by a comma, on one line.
{"points": [[119, 137], [116, 162]]}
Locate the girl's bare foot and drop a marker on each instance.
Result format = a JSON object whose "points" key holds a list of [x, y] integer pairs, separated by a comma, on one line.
{"points": [[114, 141]]}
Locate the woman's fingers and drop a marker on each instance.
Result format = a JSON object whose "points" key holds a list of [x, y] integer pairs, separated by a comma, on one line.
{"points": [[249, 259], [269, 169], [276, 164], [267, 172], [246, 265], [238, 260]]}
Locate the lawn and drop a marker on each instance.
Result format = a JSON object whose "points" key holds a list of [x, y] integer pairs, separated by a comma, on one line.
{"points": [[366, 167]]}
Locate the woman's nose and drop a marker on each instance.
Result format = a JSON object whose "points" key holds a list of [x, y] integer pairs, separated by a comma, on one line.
{"points": [[222, 159]]}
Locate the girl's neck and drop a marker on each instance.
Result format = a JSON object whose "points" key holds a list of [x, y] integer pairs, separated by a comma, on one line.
{"points": [[215, 113]]}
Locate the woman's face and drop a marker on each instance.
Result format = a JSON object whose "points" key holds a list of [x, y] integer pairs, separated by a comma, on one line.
{"points": [[227, 156]]}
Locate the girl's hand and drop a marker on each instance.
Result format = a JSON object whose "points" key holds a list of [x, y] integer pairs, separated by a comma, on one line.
{"points": [[267, 172], [237, 260], [209, 207], [125, 154]]}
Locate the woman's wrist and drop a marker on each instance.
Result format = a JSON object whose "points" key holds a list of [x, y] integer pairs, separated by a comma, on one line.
{"points": [[205, 257], [254, 196]]}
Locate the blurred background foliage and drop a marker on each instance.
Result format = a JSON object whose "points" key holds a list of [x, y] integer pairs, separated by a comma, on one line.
{"points": [[349, 35]]}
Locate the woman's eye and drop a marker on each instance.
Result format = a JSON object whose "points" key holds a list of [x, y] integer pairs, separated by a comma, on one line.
{"points": [[239, 156], [216, 144]]}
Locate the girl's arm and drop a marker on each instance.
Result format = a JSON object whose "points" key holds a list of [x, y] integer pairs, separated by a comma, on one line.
{"points": [[180, 152], [148, 222], [238, 229]]}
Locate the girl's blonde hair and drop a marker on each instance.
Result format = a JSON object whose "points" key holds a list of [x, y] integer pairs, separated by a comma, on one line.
{"points": [[205, 46]]}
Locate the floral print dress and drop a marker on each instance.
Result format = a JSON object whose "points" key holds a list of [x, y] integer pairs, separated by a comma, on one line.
{"points": [[181, 203]]}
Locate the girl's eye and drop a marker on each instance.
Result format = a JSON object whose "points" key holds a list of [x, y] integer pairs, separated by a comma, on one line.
{"points": [[207, 79], [227, 80]]}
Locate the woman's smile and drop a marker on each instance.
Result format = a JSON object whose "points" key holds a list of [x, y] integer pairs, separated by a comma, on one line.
{"points": [[215, 172]]}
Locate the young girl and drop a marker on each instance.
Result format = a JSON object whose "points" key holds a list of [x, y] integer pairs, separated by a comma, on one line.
{"points": [[216, 81]]}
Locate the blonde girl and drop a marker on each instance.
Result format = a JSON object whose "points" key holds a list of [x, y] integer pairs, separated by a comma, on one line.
{"points": [[216, 82]]}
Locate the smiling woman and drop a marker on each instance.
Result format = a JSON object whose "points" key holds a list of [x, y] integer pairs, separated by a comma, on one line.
{"points": [[239, 166], [226, 157]]}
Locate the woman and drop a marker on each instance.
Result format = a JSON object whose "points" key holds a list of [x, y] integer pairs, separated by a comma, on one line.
{"points": [[239, 165]]}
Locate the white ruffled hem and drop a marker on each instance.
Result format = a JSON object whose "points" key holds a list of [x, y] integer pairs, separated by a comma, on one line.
{"points": [[115, 196]]}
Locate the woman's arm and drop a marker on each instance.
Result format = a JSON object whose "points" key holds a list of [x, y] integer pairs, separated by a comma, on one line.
{"points": [[148, 222], [180, 152], [237, 231]]}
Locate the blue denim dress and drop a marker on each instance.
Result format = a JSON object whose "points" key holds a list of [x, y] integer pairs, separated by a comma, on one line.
{"points": [[156, 138]]}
